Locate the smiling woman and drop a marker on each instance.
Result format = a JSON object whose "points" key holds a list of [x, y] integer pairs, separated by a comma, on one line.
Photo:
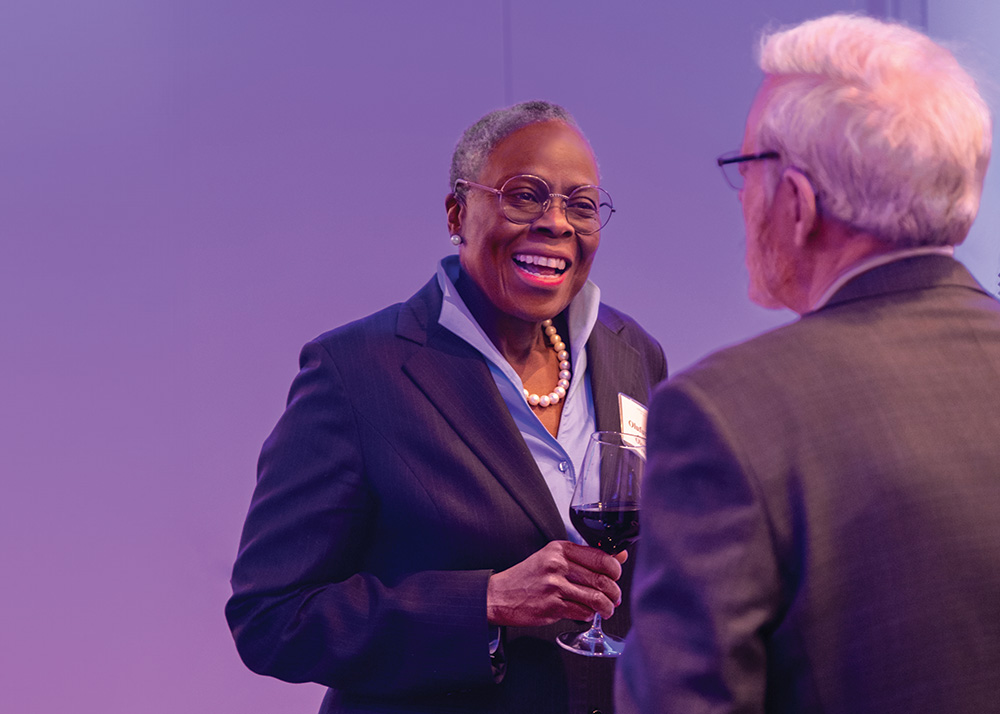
{"points": [[409, 542], [516, 274]]}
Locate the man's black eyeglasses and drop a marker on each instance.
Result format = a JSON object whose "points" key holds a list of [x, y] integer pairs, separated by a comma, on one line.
{"points": [[732, 165]]}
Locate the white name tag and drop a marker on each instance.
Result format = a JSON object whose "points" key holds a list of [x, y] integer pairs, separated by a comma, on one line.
{"points": [[633, 418]]}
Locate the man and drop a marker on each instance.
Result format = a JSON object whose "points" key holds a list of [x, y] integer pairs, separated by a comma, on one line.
{"points": [[821, 516]]}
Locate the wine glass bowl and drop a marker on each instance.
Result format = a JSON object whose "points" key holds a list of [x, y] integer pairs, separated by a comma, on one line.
{"points": [[604, 510], [612, 527]]}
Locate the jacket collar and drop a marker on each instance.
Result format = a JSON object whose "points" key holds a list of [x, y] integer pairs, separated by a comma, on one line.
{"points": [[917, 273], [456, 380], [615, 366]]}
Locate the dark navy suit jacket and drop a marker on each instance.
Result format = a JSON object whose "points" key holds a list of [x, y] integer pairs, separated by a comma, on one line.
{"points": [[391, 488]]}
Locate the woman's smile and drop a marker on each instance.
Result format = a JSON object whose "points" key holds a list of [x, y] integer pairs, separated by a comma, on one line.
{"points": [[541, 268]]}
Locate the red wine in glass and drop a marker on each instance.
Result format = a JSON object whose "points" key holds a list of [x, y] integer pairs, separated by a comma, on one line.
{"points": [[604, 509], [612, 527]]}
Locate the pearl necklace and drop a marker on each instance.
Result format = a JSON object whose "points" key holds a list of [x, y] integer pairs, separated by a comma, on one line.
{"points": [[565, 375]]}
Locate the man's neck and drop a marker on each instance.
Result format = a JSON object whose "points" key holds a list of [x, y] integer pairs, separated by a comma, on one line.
{"points": [[837, 252]]}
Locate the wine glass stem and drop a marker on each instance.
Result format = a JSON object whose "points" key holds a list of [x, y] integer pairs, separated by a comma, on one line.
{"points": [[595, 630]]}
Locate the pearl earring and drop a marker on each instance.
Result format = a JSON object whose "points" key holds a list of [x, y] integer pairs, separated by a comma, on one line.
{"points": [[456, 239]]}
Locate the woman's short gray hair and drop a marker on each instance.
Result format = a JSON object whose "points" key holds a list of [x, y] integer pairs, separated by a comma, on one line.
{"points": [[890, 129], [482, 137]]}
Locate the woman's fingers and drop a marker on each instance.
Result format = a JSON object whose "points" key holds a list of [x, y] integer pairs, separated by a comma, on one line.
{"points": [[562, 580]]}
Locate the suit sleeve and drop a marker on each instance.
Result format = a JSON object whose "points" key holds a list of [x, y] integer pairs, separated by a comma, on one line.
{"points": [[303, 608], [707, 585]]}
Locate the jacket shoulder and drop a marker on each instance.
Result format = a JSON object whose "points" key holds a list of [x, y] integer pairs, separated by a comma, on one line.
{"points": [[413, 319]]}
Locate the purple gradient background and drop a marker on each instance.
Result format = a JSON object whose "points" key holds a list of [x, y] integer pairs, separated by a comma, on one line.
{"points": [[190, 190]]}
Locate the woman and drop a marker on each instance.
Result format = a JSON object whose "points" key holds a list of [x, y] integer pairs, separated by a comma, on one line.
{"points": [[408, 544]]}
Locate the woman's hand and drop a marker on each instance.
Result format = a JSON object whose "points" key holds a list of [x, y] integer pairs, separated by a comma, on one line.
{"points": [[562, 580]]}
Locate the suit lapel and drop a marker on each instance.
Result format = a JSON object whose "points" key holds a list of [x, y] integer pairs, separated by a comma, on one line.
{"points": [[456, 380], [615, 367]]}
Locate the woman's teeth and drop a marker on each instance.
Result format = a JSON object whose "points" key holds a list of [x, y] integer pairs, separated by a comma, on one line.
{"points": [[532, 263]]}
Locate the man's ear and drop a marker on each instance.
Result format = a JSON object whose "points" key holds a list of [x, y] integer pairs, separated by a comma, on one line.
{"points": [[455, 209], [804, 213]]}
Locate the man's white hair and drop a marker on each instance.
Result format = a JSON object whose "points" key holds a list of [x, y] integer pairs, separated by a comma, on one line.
{"points": [[889, 128]]}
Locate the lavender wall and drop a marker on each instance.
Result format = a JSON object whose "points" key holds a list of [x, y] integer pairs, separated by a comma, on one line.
{"points": [[190, 189]]}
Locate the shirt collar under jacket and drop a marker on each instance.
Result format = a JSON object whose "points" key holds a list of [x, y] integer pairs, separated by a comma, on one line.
{"points": [[874, 262], [581, 319], [559, 459]]}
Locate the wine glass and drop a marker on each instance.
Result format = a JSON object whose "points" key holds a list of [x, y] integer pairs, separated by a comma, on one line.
{"points": [[605, 511]]}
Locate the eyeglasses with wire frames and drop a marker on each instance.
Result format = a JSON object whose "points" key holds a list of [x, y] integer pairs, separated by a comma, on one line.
{"points": [[525, 198], [732, 165]]}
